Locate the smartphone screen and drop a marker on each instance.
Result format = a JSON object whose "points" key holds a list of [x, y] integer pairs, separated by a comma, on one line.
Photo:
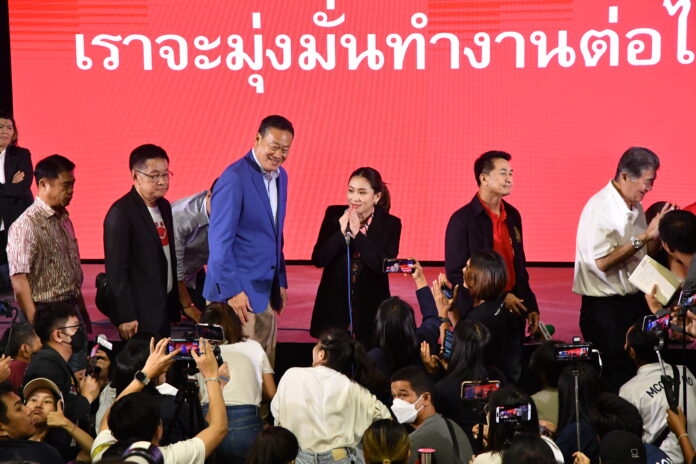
{"points": [[186, 347], [447, 346], [478, 390], [572, 352], [399, 265], [519, 413], [210, 331], [651, 323]]}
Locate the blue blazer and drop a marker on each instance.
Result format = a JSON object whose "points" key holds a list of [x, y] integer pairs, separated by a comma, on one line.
{"points": [[246, 245]]}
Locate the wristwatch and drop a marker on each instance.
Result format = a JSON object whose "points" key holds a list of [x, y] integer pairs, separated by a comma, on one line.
{"points": [[445, 320], [142, 378], [636, 242]]}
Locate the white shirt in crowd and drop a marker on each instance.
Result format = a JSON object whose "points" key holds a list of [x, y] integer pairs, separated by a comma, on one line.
{"points": [[247, 362], [645, 392], [191, 451], [606, 223], [490, 457], [324, 408], [164, 240]]}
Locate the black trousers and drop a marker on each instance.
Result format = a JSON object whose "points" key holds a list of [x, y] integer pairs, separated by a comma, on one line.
{"points": [[604, 321]]}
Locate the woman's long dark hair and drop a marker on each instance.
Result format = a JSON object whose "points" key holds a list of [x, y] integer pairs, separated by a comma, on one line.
{"points": [[529, 449], [374, 178], [395, 333], [589, 388], [348, 356], [500, 435], [471, 351]]}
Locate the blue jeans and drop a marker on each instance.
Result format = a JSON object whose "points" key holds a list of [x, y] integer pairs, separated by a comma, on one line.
{"points": [[337, 456], [243, 425]]}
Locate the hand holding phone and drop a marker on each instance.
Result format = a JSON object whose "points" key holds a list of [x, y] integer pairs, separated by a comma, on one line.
{"points": [[399, 265]]}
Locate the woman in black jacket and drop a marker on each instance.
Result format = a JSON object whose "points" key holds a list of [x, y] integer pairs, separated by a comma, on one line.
{"points": [[375, 235], [15, 189]]}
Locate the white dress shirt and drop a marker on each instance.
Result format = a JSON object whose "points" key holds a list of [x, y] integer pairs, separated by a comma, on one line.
{"points": [[271, 187], [606, 223]]}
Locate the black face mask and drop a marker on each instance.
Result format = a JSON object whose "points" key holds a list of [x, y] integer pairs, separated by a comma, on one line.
{"points": [[78, 340]]}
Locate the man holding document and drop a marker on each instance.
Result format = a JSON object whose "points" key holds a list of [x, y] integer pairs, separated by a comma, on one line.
{"points": [[612, 238], [678, 235]]}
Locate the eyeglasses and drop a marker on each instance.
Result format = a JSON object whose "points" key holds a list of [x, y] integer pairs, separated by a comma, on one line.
{"points": [[71, 326], [157, 177]]}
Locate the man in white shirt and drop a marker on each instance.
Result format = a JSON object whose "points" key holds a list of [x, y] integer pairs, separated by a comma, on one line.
{"points": [[612, 238], [646, 392]]}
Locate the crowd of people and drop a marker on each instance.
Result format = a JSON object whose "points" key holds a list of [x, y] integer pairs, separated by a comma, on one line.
{"points": [[381, 388]]}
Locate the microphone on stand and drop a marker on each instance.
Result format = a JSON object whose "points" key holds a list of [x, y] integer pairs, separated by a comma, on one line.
{"points": [[346, 234]]}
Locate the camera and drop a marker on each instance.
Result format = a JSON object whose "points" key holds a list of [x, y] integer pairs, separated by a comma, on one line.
{"points": [[572, 351], [657, 323]]}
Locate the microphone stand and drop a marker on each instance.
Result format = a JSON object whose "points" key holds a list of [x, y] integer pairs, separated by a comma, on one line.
{"points": [[350, 278]]}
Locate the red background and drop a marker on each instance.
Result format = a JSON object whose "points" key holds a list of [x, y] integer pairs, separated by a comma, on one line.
{"points": [[422, 129]]}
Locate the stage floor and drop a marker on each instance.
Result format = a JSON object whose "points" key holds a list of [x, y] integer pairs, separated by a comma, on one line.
{"points": [[558, 304]]}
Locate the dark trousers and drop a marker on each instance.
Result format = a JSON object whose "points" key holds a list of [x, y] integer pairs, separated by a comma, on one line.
{"points": [[196, 294], [604, 321], [5, 285]]}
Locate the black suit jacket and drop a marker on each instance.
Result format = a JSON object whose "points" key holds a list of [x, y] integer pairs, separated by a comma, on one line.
{"points": [[371, 286], [136, 266], [15, 198], [470, 230]]}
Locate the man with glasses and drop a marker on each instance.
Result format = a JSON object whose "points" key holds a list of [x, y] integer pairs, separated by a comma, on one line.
{"points": [[139, 250], [42, 249], [61, 334]]}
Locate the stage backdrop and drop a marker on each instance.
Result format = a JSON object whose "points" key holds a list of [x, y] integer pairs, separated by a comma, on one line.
{"points": [[416, 89]]}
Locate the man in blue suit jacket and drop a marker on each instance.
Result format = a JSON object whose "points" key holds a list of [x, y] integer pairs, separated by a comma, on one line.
{"points": [[246, 267]]}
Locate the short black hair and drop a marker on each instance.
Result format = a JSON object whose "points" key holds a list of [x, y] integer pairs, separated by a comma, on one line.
{"points": [[615, 413], [15, 336], [5, 389], [634, 161], [50, 316], [135, 417], [485, 163], [678, 231], [543, 365], [274, 445], [418, 378], [643, 343], [51, 167], [7, 115], [145, 152], [276, 122]]}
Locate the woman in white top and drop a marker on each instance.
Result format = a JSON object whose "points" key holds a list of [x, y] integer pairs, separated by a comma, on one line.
{"points": [[251, 379], [330, 405], [502, 431]]}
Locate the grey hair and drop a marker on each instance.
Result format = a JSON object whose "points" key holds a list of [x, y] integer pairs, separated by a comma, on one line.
{"points": [[635, 160]]}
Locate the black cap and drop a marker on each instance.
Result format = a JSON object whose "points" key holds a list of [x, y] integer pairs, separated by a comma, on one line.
{"points": [[621, 447]]}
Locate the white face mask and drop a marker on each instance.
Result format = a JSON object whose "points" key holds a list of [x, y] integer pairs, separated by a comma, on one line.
{"points": [[404, 411]]}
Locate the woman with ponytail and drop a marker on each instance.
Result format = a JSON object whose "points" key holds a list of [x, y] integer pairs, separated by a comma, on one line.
{"points": [[330, 405], [374, 235], [386, 442]]}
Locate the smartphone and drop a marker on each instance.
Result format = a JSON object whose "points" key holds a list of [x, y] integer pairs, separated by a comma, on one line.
{"points": [[447, 345], [687, 299], [518, 413], [399, 265], [211, 332], [186, 347], [572, 352], [478, 389], [654, 323], [447, 291]]}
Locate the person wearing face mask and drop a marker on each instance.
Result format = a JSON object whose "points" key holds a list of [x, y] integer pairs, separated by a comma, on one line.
{"points": [[411, 389], [15, 187], [374, 235], [61, 333], [42, 249]]}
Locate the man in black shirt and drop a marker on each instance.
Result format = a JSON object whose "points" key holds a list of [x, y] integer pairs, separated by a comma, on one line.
{"points": [[16, 427]]}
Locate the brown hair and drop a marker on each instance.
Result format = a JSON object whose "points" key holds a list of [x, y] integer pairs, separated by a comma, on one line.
{"points": [[386, 441], [222, 314], [485, 275]]}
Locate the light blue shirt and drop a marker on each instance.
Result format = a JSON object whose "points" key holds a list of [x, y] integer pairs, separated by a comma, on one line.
{"points": [[271, 188]]}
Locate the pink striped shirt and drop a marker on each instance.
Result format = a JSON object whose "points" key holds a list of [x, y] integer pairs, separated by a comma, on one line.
{"points": [[42, 244]]}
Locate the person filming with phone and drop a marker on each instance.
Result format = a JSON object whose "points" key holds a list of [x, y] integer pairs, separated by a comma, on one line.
{"points": [[372, 234]]}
